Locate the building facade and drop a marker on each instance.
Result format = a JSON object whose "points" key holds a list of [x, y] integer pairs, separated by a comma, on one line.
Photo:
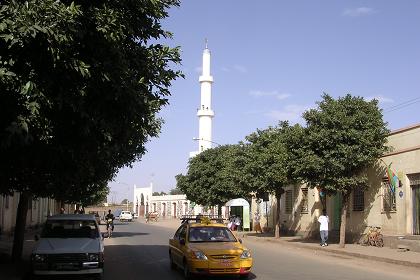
{"points": [[38, 211], [168, 206], [397, 211]]}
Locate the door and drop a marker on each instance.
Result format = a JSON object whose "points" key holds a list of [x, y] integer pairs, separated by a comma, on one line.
{"points": [[337, 203], [176, 246], [416, 209]]}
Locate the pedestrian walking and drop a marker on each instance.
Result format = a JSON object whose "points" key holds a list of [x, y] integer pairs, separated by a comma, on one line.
{"points": [[257, 225], [323, 228], [237, 222]]}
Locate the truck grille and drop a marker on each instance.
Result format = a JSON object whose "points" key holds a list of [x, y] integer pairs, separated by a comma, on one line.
{"points": [[67, 258]]}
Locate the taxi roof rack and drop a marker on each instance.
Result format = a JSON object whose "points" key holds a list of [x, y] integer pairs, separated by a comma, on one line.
{"points": [[199, 218]]}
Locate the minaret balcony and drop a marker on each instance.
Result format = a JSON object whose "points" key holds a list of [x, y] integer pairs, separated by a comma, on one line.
{"points": [[205, 112], [208, 79]]}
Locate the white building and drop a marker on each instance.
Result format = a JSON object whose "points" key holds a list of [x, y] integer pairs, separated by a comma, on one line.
{"points": [[168, 206]]}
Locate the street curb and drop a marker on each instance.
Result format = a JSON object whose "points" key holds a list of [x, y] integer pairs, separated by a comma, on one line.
{"points": [[335, 251]]}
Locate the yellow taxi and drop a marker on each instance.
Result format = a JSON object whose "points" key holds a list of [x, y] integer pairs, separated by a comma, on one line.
{"points": [[208, 248]]}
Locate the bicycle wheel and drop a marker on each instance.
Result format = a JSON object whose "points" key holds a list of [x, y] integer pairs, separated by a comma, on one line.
{"points": [[379, 241], [364, 241]]}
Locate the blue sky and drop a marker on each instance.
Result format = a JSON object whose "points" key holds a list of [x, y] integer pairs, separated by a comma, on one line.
{"points": [[271, 60]]}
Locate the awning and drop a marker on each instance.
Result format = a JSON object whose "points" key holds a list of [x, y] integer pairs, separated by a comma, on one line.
{"points": [[237, 202]]}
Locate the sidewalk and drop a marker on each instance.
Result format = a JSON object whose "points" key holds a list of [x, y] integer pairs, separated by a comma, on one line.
{"points": [[10, 270], [385, 254]]}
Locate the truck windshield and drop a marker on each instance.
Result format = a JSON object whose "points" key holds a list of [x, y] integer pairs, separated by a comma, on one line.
{"points": [[70, 229]]}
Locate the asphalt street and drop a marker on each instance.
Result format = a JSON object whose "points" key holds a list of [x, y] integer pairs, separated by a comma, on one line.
{"points": [[140, 251]]}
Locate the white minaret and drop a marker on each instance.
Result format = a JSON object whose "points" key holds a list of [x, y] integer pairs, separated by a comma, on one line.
{"points": [[205, 113]]}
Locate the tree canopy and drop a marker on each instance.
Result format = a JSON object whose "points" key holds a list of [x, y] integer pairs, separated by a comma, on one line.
{"points": [[81, 83], [211, 178], [343, 137], [267, 169]]}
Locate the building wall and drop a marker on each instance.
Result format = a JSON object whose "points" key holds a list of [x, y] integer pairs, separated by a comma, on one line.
{"points": [[405, 162], [38, 211]]}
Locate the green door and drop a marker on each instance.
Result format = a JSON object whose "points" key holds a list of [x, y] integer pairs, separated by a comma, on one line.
{"points": [[337, 202], [416, 210]]}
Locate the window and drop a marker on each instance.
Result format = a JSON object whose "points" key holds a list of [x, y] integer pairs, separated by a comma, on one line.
{"points": [[289, 201], [388, 201], [304, 202], [358, 200]]}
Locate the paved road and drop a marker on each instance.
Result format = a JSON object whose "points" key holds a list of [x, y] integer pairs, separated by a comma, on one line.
{"points": [[140, 251]]}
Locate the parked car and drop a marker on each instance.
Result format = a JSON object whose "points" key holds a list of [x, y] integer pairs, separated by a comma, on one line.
{"points": [[135, 216], [126, 216], [206, 248], [117, 214], [69, 244]]}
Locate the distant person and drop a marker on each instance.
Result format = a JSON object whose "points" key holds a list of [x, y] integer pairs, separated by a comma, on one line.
{"points": [[198, 218], [237, 222], [323, 228], [231, 224], [257, 225], [62, 211], [109, 219]]}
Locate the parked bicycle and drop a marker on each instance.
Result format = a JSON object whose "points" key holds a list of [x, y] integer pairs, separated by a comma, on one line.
{"points": [[373, 237]]}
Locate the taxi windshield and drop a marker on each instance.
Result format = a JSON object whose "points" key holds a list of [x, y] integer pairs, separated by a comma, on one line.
{"points": [[210, 234]]}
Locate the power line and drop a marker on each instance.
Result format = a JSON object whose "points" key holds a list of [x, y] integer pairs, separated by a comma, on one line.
{"points": [[402, 105]]}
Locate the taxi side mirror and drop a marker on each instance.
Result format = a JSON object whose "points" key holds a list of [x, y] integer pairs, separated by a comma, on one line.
{"points": [[182, 241]]}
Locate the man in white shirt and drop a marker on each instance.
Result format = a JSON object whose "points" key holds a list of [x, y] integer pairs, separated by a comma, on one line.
{"points": [[323, 227]]}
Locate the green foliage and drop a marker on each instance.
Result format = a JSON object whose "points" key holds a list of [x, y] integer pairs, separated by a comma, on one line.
{"points": [[175, 191], [158, 193], [212, 177], [81, 83], [342, 139], [266, 169]]}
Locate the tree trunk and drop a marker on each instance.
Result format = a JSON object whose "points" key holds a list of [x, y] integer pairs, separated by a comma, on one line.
{"points": [[344, 209], [277, 225], [219, 210], [20, 226]]}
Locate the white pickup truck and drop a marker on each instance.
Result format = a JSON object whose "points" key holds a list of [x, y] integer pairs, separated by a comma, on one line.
{"points": [[69, 244], [126, 216]]}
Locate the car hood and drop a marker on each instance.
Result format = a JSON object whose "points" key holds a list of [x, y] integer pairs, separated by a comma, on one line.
{"points": [[67, 245], [214, 248]]}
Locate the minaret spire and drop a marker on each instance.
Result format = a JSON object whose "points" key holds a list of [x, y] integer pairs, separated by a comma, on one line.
{"points": [[205, 113]]}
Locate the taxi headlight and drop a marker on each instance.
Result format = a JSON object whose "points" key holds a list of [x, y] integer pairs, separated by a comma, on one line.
{"points": [[93, 257], [245, 254], [39, 258], [199, 255]]}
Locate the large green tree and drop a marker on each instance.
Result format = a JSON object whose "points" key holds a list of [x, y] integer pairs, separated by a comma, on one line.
{"points": [[342, 139], [211, 178], [266, 169], [81, 83]]}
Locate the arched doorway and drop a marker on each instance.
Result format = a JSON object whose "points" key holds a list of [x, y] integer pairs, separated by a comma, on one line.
{"points": [[185, 208], [163, 209], [141, 212], [174, 209]]}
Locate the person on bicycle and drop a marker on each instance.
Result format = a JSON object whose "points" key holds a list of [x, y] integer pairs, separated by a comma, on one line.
{"points": [[110, 220]]}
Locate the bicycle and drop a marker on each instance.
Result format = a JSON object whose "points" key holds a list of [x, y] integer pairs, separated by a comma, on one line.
{"points": [[373, 237], [109, 227]]}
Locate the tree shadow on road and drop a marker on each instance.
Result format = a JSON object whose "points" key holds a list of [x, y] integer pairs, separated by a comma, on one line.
{"points": [[117, 234]]}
